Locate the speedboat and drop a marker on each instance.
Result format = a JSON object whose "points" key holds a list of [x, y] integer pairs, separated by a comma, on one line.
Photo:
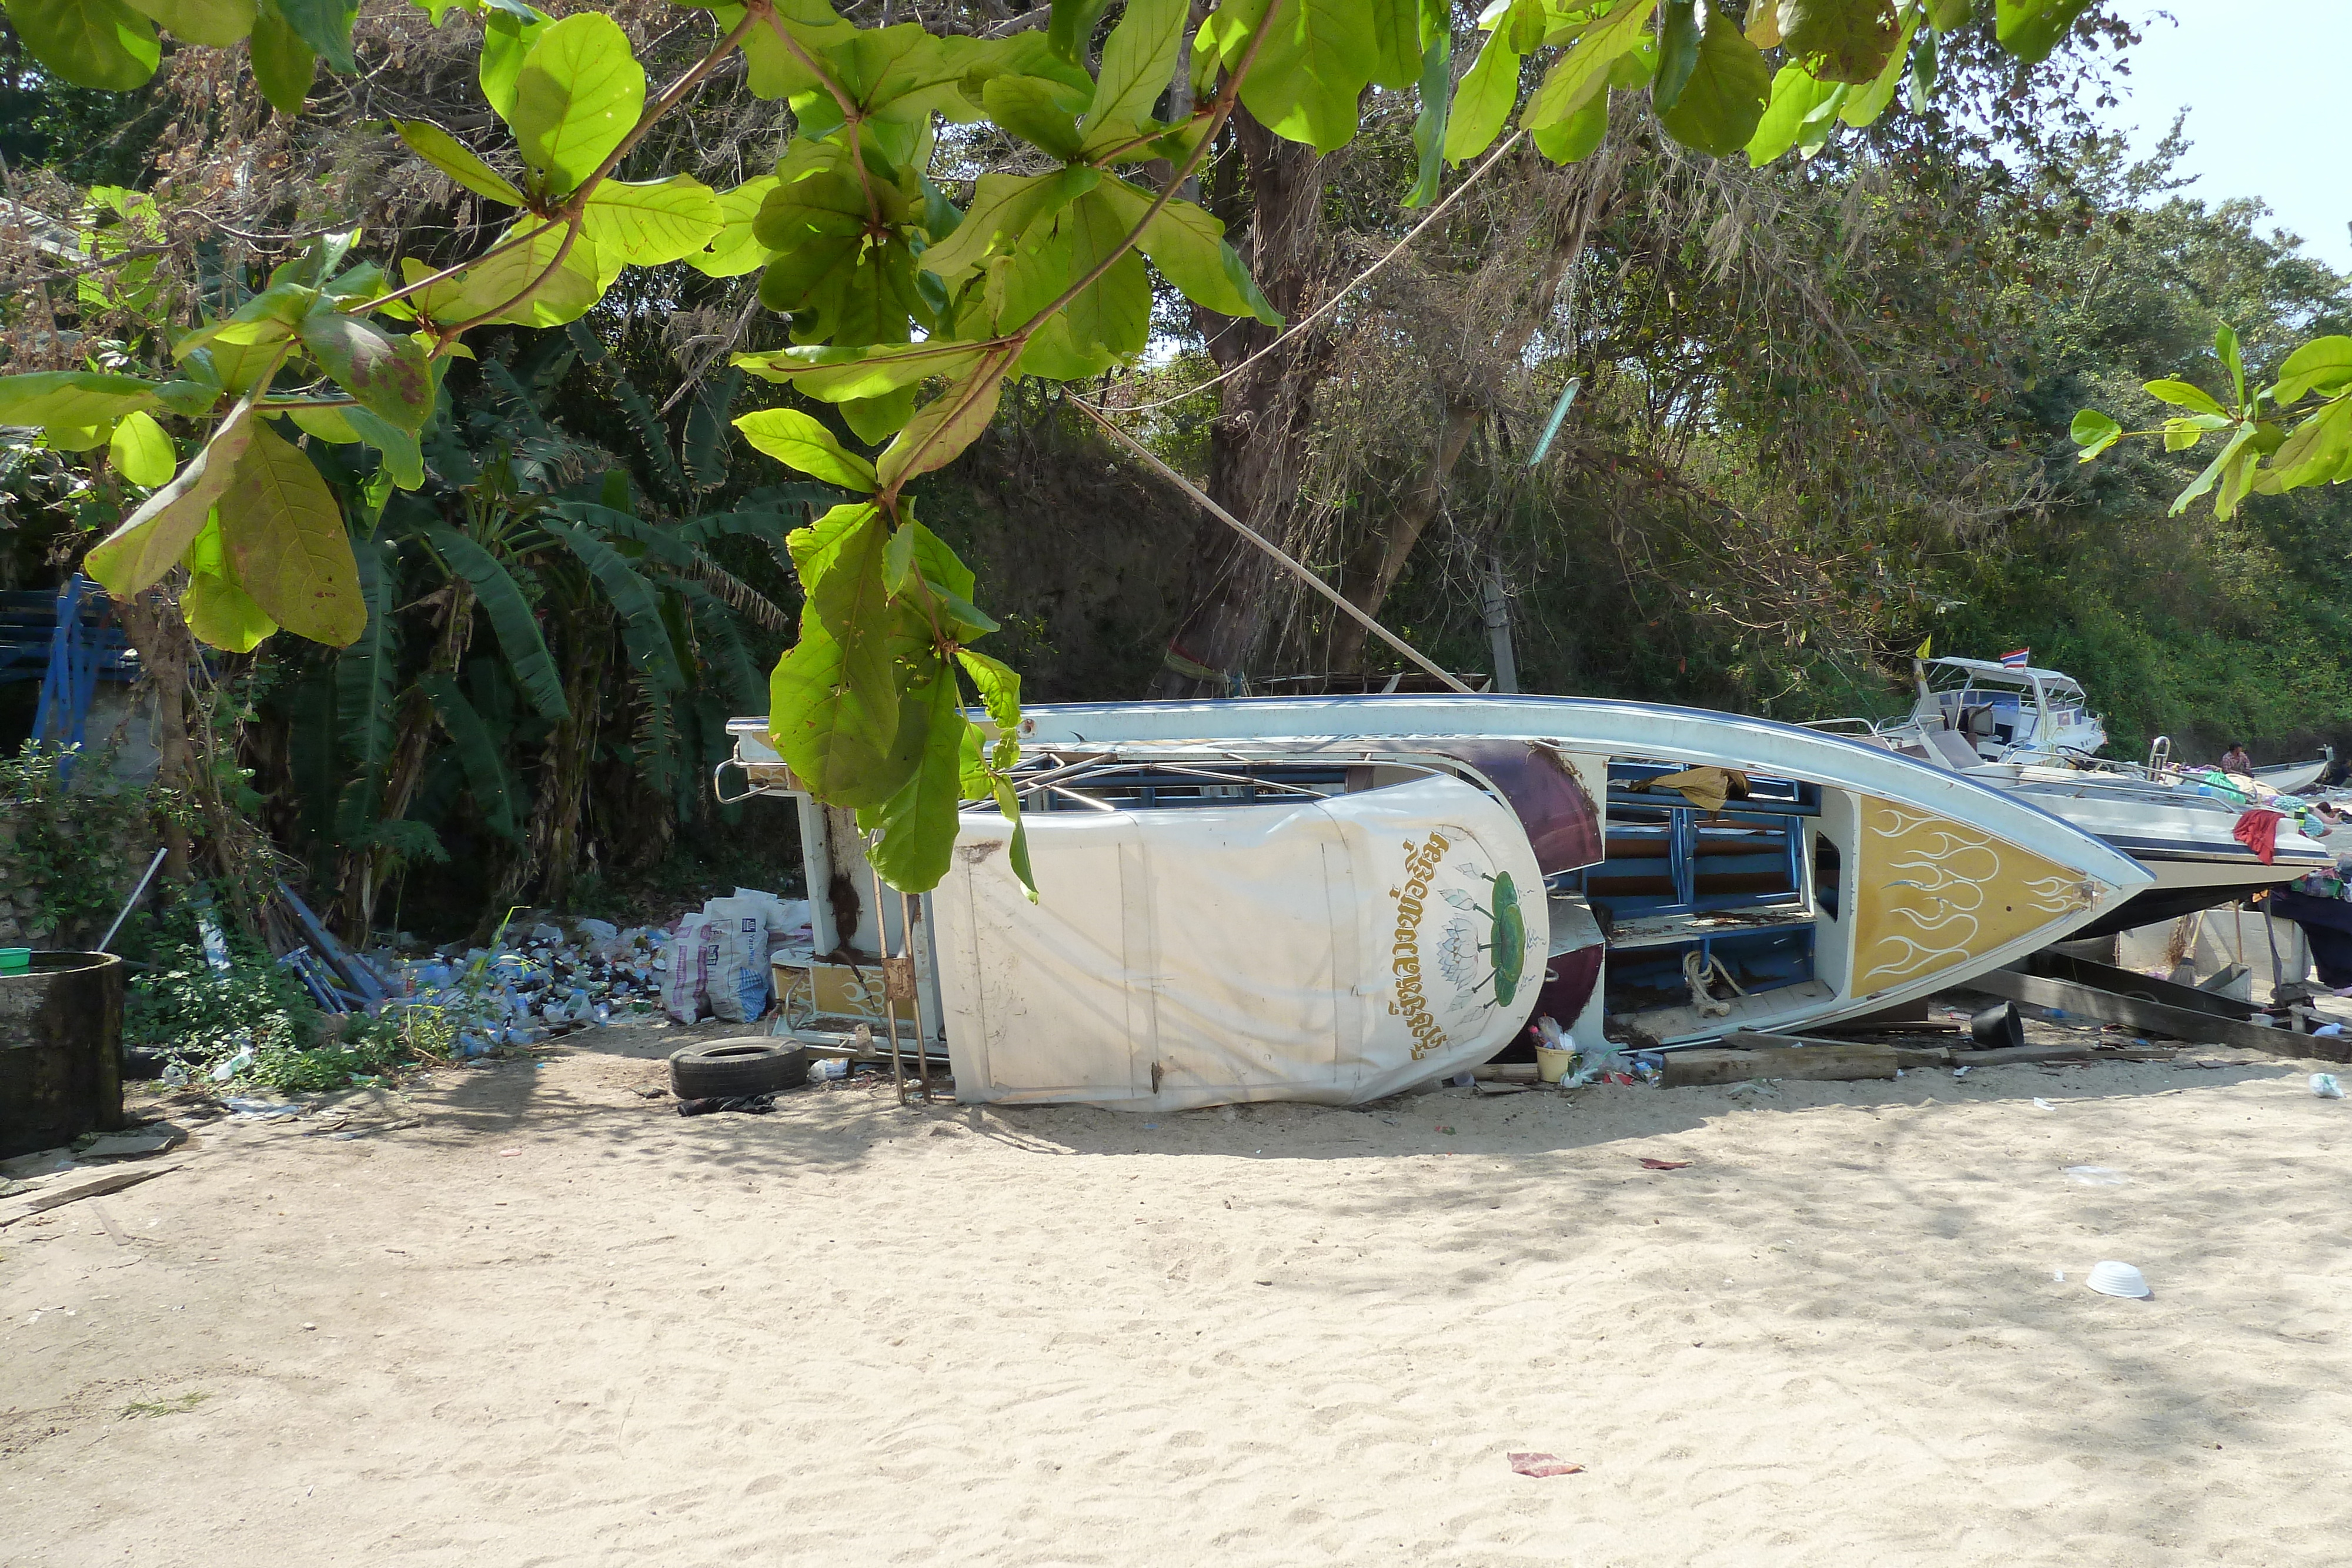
{"points": [[1337, 898]]}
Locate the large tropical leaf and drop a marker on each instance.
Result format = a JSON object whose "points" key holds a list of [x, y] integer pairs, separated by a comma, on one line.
{"points": [[511, 617], [632, 599], [579, 92], [919, 822], [367, 673], [90, 43], [151, 540], [478, 752], [285, 538]]}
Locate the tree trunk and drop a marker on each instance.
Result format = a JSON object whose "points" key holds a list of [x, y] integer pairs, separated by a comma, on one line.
{"points": [[1265, 409], [365, 871], [1372, 569], [153, 625]]}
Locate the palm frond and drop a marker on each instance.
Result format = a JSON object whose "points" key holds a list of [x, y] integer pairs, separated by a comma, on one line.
{"points": [[511, 617], [707, 438], [367, 673], [651, 434], [632, 597], [722, 644], [478, 752]]}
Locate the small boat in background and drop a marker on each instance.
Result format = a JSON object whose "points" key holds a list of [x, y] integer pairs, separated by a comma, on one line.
{"points": [[2030, 731]]}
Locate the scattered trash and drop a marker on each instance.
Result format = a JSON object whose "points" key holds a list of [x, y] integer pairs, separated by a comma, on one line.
{"points": [[2323, 1084], [749, 1105], [2114, 1279], [2097, 1176], [1650, 1165], [830, 1070], [233, 1066], [1543, 1465], [151, 1140], [2059, 1275], [1443, 1128], [2041, 1104], [2328, 1030], [1962, 1071]]}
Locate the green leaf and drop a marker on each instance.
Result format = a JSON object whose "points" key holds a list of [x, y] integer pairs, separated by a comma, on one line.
{"points": [[507, 41], [222, 615], [798, 441], [151, 540], [72, 400], [1070, 29], [1579, 136], [1944, 16], [264, 321], [1035, 109], [1003, 206], [735, 249], [650, 223], [511, 617], [843, 375], [325, 25], [1188, 247], [216, 23], [1017, 853], [1429, 124], [286, 538], [404, 455], [2323, 365], [283, 65], [1677, 52], [2213, 471], [999, 686], [2030, 29], [388, 375], [539, 282], [219, 612], [1864, 107], [579, 94], [478, 752], [706, 429], [919, 822], [2181, 394], [2225, 343], [875, 420], [142, 452], [1482, 100], [2093, 432], [2180, 435], [2315, 451], [101, 44], [1584, 69], [1795, 96], [453, 158], [1138, 60], [832, 700], [1318, 59], [1719, 109], [1839, 40], [939, 432]]}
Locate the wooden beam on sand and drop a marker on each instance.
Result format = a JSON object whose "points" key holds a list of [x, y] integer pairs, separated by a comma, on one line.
{"points": [[1843, 1064], [2138, 1013], [73, 1191]]}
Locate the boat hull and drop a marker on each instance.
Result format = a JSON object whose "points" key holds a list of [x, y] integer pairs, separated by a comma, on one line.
{"points": [[1910, 878]]}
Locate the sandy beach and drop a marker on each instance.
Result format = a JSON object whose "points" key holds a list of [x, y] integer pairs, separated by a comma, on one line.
{"points": [[524, 1315]]}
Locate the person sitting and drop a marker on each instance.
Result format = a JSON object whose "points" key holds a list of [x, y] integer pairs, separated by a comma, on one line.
{"points": [[2236, 760]]}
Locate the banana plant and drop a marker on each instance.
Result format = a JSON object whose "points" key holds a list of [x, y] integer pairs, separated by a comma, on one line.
{"points": [[905, 310]]}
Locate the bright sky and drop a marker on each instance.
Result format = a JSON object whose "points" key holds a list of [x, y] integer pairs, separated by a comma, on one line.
{"points": [[2262, 81]]}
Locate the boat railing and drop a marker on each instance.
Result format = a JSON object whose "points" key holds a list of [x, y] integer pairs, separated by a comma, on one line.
{"points": [[2159, 754], [1835, 725]]}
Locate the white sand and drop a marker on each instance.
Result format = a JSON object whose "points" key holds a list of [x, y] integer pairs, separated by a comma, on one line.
{"points": [[848, 1334]]}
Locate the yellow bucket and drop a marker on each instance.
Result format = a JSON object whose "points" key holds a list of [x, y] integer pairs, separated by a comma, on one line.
{"points": [[1552, 1066]]}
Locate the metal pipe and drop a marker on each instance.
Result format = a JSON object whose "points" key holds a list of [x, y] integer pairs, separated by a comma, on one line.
{"points": [[136, 893]]}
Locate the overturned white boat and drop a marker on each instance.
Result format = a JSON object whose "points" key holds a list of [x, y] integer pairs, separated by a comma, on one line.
{"points": [[1332, 899]]}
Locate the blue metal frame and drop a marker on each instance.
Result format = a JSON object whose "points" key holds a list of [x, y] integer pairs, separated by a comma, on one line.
{"points": [[80, 651]]}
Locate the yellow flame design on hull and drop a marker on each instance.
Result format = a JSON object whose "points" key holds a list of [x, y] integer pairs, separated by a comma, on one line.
{"points": [[1935, 893]]}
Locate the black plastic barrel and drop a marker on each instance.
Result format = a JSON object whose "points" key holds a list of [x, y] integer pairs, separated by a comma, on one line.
{"points": [[60, 1050]]}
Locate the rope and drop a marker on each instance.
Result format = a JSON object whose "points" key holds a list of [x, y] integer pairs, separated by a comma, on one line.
{"points": [[1353, 283], [1270, 548]]}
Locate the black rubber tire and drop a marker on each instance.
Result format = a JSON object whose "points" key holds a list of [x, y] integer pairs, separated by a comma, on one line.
{"points": [[742, 1064], [144, 1062]]}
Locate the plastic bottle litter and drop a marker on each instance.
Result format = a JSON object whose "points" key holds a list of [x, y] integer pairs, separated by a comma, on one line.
{"points": [[2323, 1084]]}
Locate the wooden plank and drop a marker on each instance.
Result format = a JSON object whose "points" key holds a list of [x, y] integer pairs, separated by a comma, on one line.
{"points": [[1906, 1056], [1841, 1063], [73, 1191], [2137, 1012]]}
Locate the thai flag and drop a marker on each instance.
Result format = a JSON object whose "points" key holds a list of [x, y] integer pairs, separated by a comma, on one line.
{"points": [[2016, 660]]}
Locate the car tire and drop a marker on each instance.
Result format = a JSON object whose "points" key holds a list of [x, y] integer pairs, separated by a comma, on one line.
{"points": [[744, 1064]]}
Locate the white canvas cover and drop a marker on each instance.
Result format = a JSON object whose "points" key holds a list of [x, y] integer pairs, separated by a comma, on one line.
{"points": [[1332, 951]]}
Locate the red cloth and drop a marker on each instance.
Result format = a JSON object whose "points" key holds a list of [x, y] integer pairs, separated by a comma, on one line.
{"points": [[2258, 831]]}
